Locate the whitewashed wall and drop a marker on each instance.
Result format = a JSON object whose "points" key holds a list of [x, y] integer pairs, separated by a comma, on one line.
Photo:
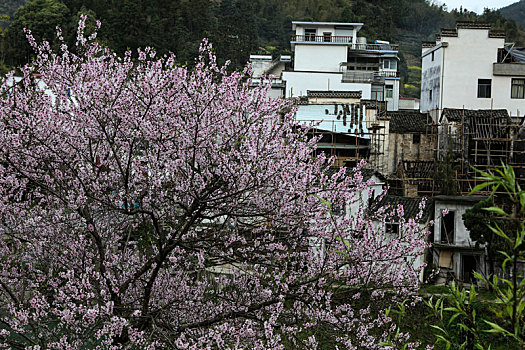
{"points": [[297, 83], [469, 56], [319, 57]]}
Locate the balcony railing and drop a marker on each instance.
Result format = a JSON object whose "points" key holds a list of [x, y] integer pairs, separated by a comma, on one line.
{"points": [[343, 40], [387, 74], [354, 76], [322, 38]]}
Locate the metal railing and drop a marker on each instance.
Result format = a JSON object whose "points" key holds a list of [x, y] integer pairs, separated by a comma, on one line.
{"points": [[351, 76], [342, 39], [322, 38]]}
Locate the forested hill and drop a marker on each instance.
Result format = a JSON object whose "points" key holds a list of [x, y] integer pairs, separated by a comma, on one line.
{"points": [[8, 9], [515, 12], [235, 27]]}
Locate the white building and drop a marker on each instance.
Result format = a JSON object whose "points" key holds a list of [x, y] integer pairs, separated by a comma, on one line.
{"points": [[268, 69], [330, 56], [471, 67]]}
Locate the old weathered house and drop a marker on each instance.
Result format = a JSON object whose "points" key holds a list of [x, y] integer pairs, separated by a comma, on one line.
{"points": [[481, 139], [453, 251], [411, 210]]}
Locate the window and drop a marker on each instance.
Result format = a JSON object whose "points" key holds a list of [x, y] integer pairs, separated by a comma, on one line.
{"points": [[377, 93], [338, 210], [389, 64], [484, 87], [447, 228], [517, 88], [468, 266], [430, 95], [309, 34], [432, 56], [392, 227], [327, 37], [416, 138], [389, 91]]}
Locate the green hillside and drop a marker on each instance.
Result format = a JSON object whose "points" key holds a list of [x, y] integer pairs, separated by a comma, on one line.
{"points": [[515, 12], [235, 27], [8, 8]]}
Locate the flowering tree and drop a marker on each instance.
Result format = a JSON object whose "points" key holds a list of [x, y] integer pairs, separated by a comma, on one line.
{"points": [[145, 204]]}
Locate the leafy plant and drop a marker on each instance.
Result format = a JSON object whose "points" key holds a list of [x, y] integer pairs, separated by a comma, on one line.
{"points": [[459, 325]]}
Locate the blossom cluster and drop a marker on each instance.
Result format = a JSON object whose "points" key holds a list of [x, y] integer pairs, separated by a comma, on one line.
{"points": [[144, 204]]}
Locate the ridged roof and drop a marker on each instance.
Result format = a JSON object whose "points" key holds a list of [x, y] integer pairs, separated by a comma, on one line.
{"points": [[481, 123], [456, 115], [408, 122]]}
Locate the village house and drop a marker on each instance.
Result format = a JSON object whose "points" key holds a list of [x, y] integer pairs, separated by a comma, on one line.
{"points": [[329, 56], [453, 251], [271, 69], [411, 210], [346, 123], [471, 67], [411, 150]]}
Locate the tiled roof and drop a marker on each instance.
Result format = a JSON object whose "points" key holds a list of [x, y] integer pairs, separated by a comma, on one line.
{"points": [[410, 206], [472, 25], [418, 169], [449, 32], [365, 172], [482, 123], [403, 122], [456, 115]]}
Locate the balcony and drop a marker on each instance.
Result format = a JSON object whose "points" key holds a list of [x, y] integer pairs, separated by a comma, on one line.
{"points": [[509, 69], [345, 40], [355, 76], [322, 38]]}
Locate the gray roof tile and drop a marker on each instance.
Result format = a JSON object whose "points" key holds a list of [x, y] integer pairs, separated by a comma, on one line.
{"points": [[408, 122]]}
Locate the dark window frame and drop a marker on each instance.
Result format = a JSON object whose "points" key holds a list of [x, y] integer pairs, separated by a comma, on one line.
{"points": [[310, 34], [484, 88], [448, 228], [392, 227], [389, 89], [416, 139], [518, 83]]}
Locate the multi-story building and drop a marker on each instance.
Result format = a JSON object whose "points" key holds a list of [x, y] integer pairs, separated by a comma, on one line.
{"points": [[471, 67], [330, 56]]}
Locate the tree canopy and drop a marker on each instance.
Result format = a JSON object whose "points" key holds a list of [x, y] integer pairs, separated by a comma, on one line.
{"points": [[147, 204], [236, 27]]}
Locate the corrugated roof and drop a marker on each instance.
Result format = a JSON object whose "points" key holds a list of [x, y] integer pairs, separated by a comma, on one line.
{"points": [[517, 53], [404, 122]]}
